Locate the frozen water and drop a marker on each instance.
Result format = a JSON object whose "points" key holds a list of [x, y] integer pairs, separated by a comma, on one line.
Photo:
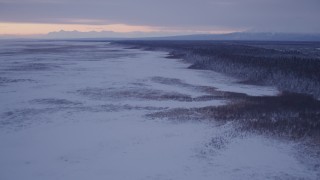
{"points": [[76, 110]]}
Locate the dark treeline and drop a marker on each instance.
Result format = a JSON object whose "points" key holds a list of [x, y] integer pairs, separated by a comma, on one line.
{"points": [[294, 67], [290, 66]]}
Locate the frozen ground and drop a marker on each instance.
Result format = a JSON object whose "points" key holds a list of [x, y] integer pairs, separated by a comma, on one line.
{"points": [[77, 110]]}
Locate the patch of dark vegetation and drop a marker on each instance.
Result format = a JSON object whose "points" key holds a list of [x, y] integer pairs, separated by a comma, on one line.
{"points": [[183, 114], [140, 93], [132, 47], [291, 66], [169, 81], [8, 53], [54, 101], [116, 108], [212, 92], [4, 80], [175, 56], [218, 143], [288, 115], [33, 67], [22, 118]]}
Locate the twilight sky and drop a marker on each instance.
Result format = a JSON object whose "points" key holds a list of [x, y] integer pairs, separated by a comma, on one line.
{"points": [[27, 17]]}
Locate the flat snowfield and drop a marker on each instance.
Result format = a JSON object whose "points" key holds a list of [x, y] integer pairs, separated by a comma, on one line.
{"points": [[81, 110]]}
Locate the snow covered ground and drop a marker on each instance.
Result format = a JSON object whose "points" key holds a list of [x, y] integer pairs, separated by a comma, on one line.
{"points": [[76, 110]]}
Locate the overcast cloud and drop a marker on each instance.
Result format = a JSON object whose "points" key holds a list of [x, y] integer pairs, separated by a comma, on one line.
{"points": [[253, 15]]}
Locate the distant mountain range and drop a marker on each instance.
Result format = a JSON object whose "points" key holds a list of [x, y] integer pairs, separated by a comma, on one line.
{"points": [[104, 34]]}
